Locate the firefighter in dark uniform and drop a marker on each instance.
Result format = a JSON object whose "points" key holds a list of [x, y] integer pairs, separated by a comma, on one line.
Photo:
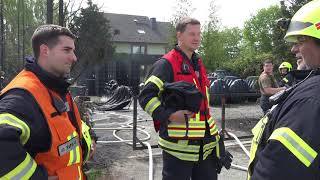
{"points": [[41, 133], [286, 143], [189, 139], [286, 78]]}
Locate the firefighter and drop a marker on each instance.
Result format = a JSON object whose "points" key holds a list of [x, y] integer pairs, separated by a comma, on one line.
{"points": [[286, 78], [41, 133], [189, 140], [286, 143]]}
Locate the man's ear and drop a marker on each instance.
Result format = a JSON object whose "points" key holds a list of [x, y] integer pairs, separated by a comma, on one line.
{"points": [[44, 50], [178, 35]]}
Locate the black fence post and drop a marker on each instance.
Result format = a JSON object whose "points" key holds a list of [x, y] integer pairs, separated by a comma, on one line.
{"points": [[135, 74]]}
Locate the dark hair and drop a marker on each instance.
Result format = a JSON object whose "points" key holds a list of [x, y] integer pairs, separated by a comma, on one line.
{"points": [[48, 34], [181, 26], [267, 61]]}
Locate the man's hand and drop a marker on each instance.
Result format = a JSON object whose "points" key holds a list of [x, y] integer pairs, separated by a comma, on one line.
{"points": [[93, 148], [179, 116]]}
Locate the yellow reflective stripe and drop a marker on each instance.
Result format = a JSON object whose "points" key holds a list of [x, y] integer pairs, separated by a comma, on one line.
{"points": [[11, 120], [80, 174], [74, 153], [285, 80], [152, 105], [157, 81], [184, 156], [195, 82], [179, 147], [206, 154], [210, 146], [198, 117], [23, 171], [183, 125], [295, 145], [182, 133]]}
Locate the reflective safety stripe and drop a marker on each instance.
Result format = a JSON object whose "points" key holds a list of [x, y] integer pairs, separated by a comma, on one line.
{"points": [[183, 125], [75, 152], [184, 156], [295, 145], [11, 120], [80, 174], [285, 80], [157, 81], [179, 147], [23, 171], [182, 133], [152, 105], [212, 126], [208, 148], [195, 82], [208, 95]]}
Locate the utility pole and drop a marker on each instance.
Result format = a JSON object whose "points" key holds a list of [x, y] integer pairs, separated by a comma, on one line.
{"points": [[61, 15], [49, 11]]}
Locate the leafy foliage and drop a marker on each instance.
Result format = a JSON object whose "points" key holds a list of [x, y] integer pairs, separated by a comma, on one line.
{"points": [[93, 45]]}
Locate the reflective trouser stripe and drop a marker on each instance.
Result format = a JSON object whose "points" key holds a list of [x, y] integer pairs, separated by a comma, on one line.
{"points": [[295, 145], [11, 120], [75, 152], [157, 81], [184, 156], [179, 146], [152, 105], [207, 149], [23, 171]]}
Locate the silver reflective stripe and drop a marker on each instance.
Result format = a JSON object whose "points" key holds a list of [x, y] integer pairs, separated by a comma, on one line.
{"points": [[24, 171], [298, 147], [152, 105]]}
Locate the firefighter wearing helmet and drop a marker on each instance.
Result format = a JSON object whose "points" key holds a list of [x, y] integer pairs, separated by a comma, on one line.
{"points": [[286, 143], [286, 78]]}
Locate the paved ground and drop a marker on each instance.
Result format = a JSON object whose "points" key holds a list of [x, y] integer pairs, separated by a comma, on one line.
{"points": [[118, 161]]}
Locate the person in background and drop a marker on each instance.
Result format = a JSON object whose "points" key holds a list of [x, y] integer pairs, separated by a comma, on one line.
{"points": [[268, 85], [286, 78], [41, 133]]}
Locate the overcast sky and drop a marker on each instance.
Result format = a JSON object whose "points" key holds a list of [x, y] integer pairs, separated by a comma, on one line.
{"points": [[231, 12]]}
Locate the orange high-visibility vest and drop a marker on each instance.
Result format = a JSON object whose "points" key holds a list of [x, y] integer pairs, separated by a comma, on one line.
{"points": [[64, 158]]}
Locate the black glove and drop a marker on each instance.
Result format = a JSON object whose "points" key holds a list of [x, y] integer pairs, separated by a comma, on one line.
{"points": [[225, 158]]}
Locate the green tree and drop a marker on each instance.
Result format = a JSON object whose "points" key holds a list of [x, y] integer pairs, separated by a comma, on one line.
{"points": [[183, 8], [93, 45]]}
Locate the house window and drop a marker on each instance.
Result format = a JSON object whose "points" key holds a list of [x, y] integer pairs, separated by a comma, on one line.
{"points": [[138, 49]]}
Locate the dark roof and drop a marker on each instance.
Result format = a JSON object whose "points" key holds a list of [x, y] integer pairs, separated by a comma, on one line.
{"points": [[125, 29]]}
